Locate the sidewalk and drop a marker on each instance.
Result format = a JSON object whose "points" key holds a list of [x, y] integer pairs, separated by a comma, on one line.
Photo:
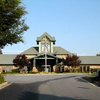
{"points": [[3, 85]]}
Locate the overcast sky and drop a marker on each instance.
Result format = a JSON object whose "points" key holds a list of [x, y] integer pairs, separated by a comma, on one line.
{"points": [[74, 23]]}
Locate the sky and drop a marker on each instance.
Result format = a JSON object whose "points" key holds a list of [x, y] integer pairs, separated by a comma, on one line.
{"points": [[75, 24]]}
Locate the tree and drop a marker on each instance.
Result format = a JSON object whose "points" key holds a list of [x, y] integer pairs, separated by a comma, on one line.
{"points": [[75, 61], [71, 60], [12, 22], [0, 51], [21, 61], [98, 54]]}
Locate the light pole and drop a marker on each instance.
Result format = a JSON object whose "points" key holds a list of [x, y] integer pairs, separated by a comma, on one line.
{"points": [[46, 49], [45, 62]]}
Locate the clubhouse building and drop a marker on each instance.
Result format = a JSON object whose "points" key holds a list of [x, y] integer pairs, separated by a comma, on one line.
{"points": [[46, 55]]}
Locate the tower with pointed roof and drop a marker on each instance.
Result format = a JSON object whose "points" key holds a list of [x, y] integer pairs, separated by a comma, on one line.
{"points": [[45, 55], [46, 40]]}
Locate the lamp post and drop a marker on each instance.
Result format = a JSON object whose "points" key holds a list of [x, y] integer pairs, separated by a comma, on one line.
{"points": [[45, 49], [45, 62]]}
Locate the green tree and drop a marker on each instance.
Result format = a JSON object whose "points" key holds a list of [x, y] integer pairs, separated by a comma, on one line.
{"points": [[0, 51], [12, 22]]}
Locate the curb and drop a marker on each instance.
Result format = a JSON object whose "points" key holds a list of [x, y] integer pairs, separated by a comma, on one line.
{"points": [[3, 85], [42, 74]]}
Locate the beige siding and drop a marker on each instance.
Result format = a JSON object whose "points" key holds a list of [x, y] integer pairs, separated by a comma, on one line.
{"points": [[51, 47], [61, 56], [45, 39], [30, 56], [94, 67], [13, 67], [7, 68]]}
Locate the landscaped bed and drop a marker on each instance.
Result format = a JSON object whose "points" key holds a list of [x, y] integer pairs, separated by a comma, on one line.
{"points": [[94, 80], [1, 79]]}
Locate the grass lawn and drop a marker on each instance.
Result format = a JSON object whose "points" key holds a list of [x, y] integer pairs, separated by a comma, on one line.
{"points": [[1, 79]]}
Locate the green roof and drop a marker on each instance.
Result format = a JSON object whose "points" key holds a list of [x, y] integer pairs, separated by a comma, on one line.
{"points": [[6, 59], [47, 35], [60, 50], [92, 60], [35, 50], [32, 50]]}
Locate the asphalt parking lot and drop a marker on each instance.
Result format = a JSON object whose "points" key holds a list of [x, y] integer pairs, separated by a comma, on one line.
{"points": [[49, 87]]}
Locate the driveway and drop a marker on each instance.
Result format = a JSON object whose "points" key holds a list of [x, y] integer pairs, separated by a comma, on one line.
{"points": [[49, 87]]}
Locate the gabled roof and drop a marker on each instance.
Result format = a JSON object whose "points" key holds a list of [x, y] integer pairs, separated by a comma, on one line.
{"points": [[35, 50], [60, 50], [47, 35], [42, 56], [32, 50], [92, 60], [7, 58]]}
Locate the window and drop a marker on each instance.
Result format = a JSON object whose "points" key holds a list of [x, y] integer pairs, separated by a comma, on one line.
{"points": [[45, 47]]}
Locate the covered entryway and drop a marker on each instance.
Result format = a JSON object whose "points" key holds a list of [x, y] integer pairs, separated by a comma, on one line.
{"points": [[45, 62]]}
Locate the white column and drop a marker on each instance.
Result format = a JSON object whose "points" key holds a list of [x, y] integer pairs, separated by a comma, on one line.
{"points": [[34, 61], [45, 62], [51, 47], [86, 68], [82, 68], [56, 61], [34, 66], [39, 47]]}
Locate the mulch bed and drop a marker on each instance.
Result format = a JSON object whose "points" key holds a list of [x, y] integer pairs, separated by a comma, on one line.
{"points": [[93, 80]]}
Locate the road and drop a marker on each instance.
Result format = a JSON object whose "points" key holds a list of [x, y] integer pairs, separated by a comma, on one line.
{"points": [[49, 87]]}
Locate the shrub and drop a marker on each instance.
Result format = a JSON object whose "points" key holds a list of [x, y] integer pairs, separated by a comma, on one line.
{"points": [[15, 71], [67, 69], [1, 79], [56, 69]]}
